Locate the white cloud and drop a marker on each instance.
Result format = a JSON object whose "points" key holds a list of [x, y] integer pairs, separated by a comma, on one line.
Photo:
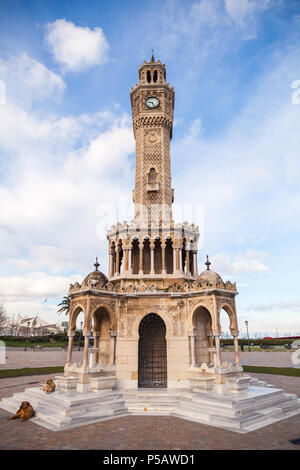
{"points": [[51, 258], [249, 261], [278, 318], [245, 13], [76, 48], [221, 15], [28, 80], [35, 285], [279, 305], [207, 12], [26, 294], [247, 174]]}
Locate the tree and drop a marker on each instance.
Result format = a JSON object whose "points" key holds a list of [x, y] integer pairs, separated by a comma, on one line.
{"points": [[64, 305], [3, 317]]}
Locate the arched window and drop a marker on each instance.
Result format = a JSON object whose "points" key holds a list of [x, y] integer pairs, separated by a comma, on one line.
{"points": [[135, 256], [148, 76], [155, 76], [157, 257], [146, 257], [152, 176], [169, 256]]}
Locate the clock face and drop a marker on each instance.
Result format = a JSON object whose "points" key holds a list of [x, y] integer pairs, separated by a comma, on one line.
{"points": [[152, 102]]}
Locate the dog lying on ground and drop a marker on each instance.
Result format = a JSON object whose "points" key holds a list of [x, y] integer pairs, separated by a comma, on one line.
{"points": [[49, 387], [24, 412]]}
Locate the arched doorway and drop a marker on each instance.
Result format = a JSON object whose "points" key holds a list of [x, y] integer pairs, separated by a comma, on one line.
{"points": [[100, 327], [152, 352], [202, 324]]}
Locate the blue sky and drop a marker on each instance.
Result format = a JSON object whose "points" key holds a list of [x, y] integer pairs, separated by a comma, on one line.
{"points": [[67, 149]]}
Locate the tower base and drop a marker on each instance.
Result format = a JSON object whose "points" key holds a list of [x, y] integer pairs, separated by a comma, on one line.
{"points": [[241, 412]]}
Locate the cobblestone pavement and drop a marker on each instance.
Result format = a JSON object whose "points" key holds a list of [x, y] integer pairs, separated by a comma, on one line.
{"points": [[148, 433], [18, 359]]}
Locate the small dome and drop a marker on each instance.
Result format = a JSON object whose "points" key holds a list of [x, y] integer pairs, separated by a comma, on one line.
{"points": [[208, 275], [96, 276]]}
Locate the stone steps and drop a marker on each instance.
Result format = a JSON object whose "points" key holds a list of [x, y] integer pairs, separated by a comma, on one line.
{"points": [[240, 412], [63, 411]]}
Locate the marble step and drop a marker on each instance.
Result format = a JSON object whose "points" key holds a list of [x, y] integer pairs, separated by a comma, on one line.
{"points": [[242, 412]]}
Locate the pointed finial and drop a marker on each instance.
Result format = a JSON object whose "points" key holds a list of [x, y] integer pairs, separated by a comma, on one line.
{"points": [[152, 58], [208, 263], [96, 264]]}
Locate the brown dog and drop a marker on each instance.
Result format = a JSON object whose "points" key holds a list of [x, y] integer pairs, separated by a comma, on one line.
{"points": [[24, 412], [49, 387]]}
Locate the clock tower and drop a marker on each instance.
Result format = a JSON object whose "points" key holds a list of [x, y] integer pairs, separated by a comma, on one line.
{"points": [[152, 102]]}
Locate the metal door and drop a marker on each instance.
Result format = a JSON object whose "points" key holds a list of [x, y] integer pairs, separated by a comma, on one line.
{"points": [[152, 352]]}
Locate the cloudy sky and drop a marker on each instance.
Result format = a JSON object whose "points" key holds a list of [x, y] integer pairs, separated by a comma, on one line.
{"points": [[67, 147]]}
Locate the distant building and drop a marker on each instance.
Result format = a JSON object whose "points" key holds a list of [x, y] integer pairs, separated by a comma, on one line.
{"points": [[28, 326]]}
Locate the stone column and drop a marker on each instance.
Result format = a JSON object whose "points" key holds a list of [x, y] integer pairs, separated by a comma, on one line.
{"points": [[192, 336], [87, 334], [235, 335], [125, 261], [96, 345], [152, 246], [218, 348], [111, 263], [117, 272], [114, 263], [163, 257], [210, 345], [195, 267], [130, 261], [174, 259], [180, 259], [188, 262], [113, 335], [71, 335], [141, 258]]}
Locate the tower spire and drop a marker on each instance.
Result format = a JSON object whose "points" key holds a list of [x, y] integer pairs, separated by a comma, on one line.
{"points": [[96, 264], [208, 263], [152, 58]]}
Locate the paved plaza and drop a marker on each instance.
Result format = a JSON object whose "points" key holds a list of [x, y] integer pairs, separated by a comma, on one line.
{"points": [[18, 358], [145, 432], [52, 357]]}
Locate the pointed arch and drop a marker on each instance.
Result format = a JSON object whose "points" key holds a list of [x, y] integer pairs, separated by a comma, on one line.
{"points": [[231, 314]]}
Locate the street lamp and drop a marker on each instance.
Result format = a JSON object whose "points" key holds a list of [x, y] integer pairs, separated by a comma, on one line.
{"points": [[80, 336], [246, 323], [28, 324]]}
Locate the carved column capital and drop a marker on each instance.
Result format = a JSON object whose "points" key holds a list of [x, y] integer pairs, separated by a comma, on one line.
{"points": [[234, 332], [192, 333], [217, 332]]}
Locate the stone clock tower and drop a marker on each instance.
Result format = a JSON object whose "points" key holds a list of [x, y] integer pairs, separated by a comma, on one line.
{"points": [[152, 102], [153, 322]]}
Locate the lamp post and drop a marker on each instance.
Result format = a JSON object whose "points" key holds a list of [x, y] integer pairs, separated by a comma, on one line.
{"points": [[25, 347], [246, 323], [80, 336]]}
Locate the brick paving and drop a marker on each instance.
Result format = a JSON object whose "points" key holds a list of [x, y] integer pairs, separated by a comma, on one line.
{"points": [[147, 433]]}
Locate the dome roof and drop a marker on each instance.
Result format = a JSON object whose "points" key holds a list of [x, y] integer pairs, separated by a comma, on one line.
{"points": [[208, 275], [96, 275]]}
